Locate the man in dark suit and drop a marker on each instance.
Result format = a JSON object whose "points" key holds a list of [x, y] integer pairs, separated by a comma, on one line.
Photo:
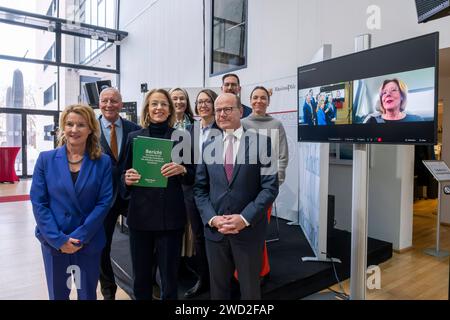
{"points": [[114, 133], [233, 192], [231, 84]]}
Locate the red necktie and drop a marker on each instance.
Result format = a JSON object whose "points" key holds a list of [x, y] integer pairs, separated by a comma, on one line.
{"points": [[229, 157]]}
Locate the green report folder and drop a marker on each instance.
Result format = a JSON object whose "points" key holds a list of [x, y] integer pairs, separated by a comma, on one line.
{"points": [[149, 155]]}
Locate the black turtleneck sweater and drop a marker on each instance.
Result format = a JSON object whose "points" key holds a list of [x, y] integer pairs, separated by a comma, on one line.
{"points": [[158, 130]]}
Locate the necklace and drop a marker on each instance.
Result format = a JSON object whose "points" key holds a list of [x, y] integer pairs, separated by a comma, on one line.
{"points": [[75, 162]]}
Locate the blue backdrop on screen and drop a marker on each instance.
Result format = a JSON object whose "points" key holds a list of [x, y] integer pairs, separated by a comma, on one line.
{"points": [[383, 95]]}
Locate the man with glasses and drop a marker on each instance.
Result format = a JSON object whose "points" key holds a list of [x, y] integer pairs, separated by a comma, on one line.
{"points": [[231, 84], [233, 193], [114, 133]]}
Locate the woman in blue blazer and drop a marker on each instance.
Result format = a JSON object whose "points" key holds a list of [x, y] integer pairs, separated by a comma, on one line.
{"points": [[71, 193]]}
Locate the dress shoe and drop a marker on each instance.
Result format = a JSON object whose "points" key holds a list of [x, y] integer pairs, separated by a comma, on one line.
{"points": [[109, 294], [199, 287], [156, 295]]}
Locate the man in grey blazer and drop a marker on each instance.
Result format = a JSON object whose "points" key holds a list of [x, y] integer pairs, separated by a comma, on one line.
{"points": [[233, 190]]}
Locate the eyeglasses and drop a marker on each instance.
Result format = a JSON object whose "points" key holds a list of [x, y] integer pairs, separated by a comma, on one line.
{"points": [[385, 92], [226, 110], [205, 102]]}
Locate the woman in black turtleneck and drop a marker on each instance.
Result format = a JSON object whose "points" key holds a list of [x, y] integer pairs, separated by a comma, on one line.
{"points": [[156, 216]]}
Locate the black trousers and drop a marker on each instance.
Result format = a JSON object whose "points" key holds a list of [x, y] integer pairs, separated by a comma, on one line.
{"points": [[107, 279], [230, 254], [165, 248]]}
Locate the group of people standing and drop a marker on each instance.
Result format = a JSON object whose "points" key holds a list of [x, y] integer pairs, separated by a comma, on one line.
{"points": [[320, 110], [80, 189]]}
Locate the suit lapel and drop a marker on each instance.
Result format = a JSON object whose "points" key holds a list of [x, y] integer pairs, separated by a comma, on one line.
{"points": [[125, 131], [63, 167], [85, 173], [241, 157], [104, 142]]}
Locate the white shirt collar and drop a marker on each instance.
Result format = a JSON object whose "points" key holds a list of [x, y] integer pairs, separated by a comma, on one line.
{"points": [[106, 123], [237, 133]]}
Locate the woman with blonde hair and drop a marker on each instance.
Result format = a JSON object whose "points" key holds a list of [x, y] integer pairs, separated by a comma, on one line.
{"points": [[71, 194], [393, 97], [156, 216], [183, 111]]}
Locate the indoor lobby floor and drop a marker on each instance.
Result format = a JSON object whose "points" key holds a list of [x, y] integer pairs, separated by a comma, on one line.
{"points": [[22, 274], [408, 275]]}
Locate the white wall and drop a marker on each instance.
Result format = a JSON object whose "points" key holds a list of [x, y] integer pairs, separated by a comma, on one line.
{"points": [[164, 47]]}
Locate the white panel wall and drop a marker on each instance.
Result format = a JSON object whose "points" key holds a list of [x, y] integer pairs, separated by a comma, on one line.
{"points": [[164, 47]]}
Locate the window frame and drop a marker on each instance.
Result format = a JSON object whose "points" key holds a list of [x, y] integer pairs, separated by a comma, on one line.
{"points": [[211, 52]]}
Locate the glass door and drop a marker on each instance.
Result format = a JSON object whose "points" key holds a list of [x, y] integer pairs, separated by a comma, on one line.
{"points": [[40, 136], [11, 136], [33, 131]]}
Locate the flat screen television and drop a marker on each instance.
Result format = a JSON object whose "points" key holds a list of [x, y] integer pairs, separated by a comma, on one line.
{"points": [[384, 95]]}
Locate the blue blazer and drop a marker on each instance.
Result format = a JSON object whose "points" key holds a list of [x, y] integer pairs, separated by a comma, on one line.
{"points": [[63, 210], [249, 193]]}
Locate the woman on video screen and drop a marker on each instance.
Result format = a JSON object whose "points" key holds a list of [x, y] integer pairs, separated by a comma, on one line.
{"points": [[392, 104]]}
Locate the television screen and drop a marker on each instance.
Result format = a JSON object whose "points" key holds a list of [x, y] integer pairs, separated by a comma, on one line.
{"points": [[383, 95], [91, 93]]}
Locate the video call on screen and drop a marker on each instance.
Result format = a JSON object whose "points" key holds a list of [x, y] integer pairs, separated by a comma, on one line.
{"points": [[383, 95]]}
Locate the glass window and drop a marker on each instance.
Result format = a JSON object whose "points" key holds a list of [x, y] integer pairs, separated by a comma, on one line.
{"points": [[229, 29], [33, 6], [50, 55], [76, 92], [11, 136], [22, 85], [89, 52], [52, 9], [50, 94], [95, 12], [110, 15], [101, 13], [39, 137], [24, 42]]}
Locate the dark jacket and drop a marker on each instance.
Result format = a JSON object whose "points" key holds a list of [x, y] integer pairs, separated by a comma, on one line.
{"points": [[250, 192], [157, 209], [119, 192]]}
